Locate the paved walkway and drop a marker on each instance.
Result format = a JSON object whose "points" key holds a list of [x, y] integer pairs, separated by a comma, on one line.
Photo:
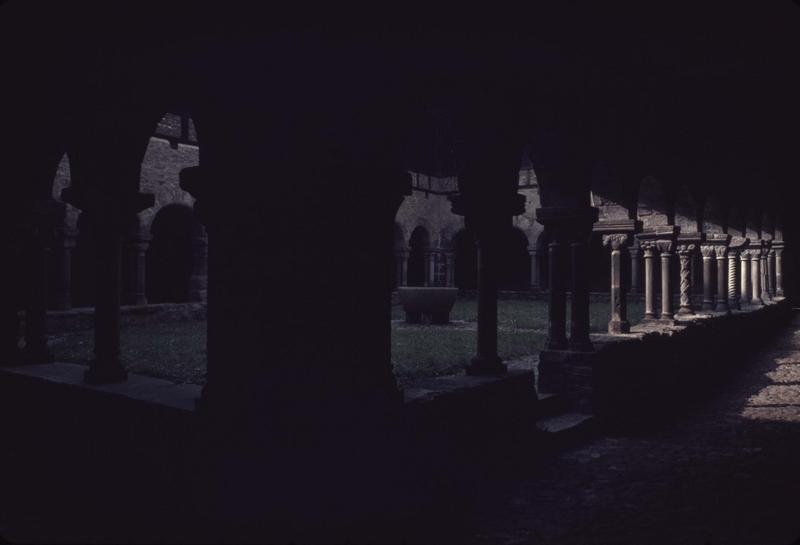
{"points": [[727, 470]]}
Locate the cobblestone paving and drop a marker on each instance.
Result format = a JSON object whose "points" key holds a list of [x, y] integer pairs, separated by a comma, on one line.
{"points": [[727, 470]]}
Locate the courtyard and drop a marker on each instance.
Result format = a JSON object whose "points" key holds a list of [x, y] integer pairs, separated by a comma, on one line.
{"points": [[176, 350]]}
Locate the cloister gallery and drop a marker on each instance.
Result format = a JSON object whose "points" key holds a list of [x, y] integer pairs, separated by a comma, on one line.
{"points": [[290, 173]]}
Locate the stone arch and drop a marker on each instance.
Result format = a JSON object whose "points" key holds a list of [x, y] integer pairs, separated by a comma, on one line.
{"points": [[767, 225], [736, 225], [714, 216], [419, 243], [687, 213], [170, 254], [753, 224], [651, 205]]}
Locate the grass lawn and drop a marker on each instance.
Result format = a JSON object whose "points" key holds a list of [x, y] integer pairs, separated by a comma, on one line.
{"points": [[177, 350]]}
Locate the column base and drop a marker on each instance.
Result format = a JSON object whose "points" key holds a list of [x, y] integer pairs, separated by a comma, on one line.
{"points": [[619, 326], [684, 311], [722, 309], [106, 373], [482, 366], [668, 320]]}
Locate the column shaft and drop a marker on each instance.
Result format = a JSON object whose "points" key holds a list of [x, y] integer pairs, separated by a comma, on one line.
{"points": [[106, 365], [722, 279], [619, 303], [746, 290], [771, 273], [685, 252], [755, 278], [779, 272], [557, 310], [649, 283], [708, 277], [733, 284], [534, 268], [666, 289], [450, 258], [487, 361], [765, 296], [579, 316]]}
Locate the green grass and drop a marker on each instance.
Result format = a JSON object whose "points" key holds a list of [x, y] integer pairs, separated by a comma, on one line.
{"points": [[177, 350]]}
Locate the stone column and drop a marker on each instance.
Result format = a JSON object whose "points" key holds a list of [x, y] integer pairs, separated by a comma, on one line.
{"points": [[619, 302], [579, 315], [62, 298], [402, 267], [771, 273], [635, 253], [745, 277], [765, 296], [198, 283], [649, 249], [450, 271], [779, 293], [665, 249], [487, 362], [733, 281], [557, 309], [430, 268], [106, 366], [755, 278], [685, 252], [707, 251], [721, 252], [137, 260], [534, 268]]}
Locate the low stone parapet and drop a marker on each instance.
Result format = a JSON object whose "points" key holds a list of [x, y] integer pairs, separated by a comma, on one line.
{"points": [[656, 369]]}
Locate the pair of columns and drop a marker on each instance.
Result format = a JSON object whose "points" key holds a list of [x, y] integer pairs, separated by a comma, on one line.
{"points": [[568, 255], [439, 266]]}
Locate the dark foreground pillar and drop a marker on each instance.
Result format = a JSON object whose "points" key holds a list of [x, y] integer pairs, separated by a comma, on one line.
{"points": [[487, 362]]}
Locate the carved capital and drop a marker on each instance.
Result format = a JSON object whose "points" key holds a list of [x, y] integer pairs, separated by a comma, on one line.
{"points": [[648, 247], [615, 240], [721, 251], [707, 250], [664, 246], [686, 250]]}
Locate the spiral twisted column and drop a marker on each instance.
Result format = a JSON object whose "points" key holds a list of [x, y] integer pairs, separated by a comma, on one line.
{"points": [[721, 252], [685, 252], [733, 280]]}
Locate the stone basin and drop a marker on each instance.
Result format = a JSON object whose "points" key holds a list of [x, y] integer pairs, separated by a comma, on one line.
{"points": [[427, 305]]}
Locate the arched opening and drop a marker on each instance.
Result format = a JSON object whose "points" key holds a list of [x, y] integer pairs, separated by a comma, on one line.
{"points": [[419, 243], [399, 246], [169, 257], [466, 260], [514, 271]]}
